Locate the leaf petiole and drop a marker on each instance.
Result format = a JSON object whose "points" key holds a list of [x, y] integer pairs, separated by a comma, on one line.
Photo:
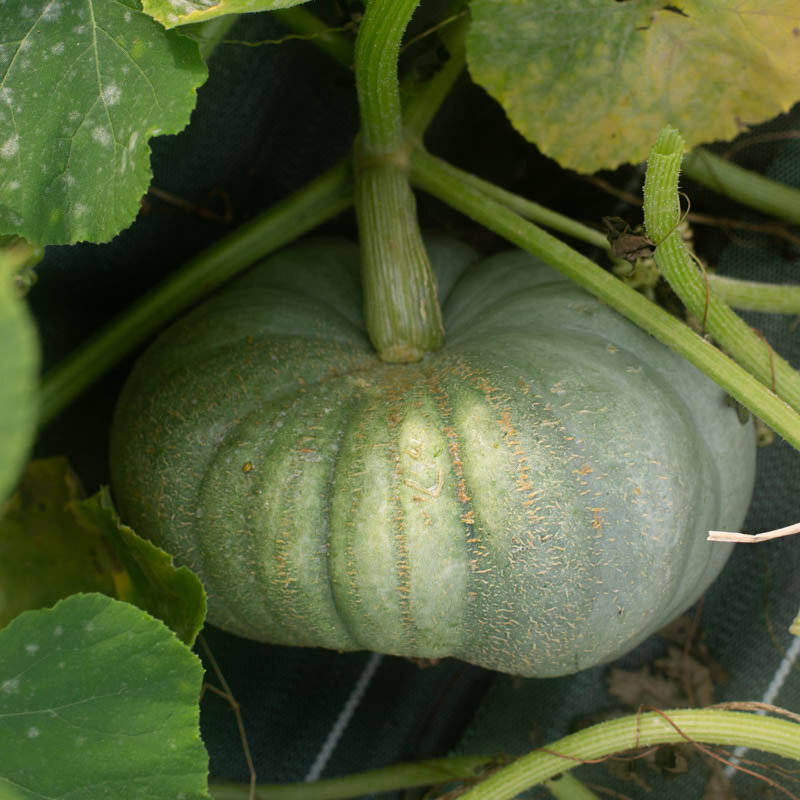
{"points": [[401, 307], [742, 185]]}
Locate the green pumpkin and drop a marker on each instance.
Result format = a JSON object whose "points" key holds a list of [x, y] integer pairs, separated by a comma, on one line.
{"points": [[533, 498]]}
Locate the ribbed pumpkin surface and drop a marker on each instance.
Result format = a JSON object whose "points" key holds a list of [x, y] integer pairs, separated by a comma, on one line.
{"points": [[533, 498]]}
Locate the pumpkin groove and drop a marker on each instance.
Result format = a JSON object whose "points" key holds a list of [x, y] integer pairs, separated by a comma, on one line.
{"points": [[532, 498]]}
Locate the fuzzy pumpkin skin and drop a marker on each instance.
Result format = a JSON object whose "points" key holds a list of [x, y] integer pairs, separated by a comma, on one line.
{"points": [[533, 498]]}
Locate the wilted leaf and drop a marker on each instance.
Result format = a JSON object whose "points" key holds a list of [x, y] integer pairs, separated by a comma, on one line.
{"points": [[99, 700], [171, 13], [592, 82], [644, 686], [19, 368], [84, 85], [674, 681], [53, 544]]}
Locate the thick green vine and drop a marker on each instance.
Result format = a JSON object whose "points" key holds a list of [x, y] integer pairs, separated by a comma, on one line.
{"points": [[705, 727], [735, 336], [401, 308]]}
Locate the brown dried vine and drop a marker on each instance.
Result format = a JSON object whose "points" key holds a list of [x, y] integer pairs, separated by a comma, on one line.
{"points": [[227, 694]]}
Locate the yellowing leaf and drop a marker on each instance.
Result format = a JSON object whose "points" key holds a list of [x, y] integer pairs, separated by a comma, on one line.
{"points": [[54, 543], [592, 82], [171, 13]]}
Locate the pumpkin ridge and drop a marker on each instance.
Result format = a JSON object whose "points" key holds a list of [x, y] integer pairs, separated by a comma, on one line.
{"points": [[310, 448], [463, 494], [500, 636], [255, 574], [350, 466], [352, 404], [395, 417]]}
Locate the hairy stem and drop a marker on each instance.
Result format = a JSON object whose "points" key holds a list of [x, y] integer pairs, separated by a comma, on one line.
{"points": [[377, 52], [735, 336], [401, 308], [448, 184]]}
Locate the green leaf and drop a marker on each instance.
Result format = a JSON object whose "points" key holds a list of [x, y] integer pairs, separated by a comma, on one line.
{"points": [[83, 86], [171, 13], [53, 544], [19, 368], [593, 82], [98, 700]]}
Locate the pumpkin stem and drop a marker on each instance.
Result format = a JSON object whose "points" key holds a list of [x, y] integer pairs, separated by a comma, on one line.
{"points": [[401, 306]]}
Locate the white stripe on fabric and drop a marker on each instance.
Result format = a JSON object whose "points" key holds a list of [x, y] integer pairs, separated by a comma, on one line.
{"points": [[771, 694], [345, 715]]}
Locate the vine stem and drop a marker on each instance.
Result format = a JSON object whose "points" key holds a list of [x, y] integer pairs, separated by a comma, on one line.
{"points": [[774, 298], [742, 185], [398, 776], [705, 727], [735, 336], [401, 308], [448, 184]]}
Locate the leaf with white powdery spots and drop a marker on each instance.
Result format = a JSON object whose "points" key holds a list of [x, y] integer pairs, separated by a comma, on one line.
{"points": [[84, 85], [171, 13], [99, 700], [593, 82]]}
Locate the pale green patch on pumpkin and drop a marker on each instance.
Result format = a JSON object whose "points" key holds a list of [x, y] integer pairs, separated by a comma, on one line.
{"points": [[435, 536]]}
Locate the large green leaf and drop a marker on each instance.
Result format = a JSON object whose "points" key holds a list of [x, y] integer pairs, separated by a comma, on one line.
{"points": [[53, 544], [19, 367], [84, 85], [98, 700], [171, 13], [592, 82]]}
